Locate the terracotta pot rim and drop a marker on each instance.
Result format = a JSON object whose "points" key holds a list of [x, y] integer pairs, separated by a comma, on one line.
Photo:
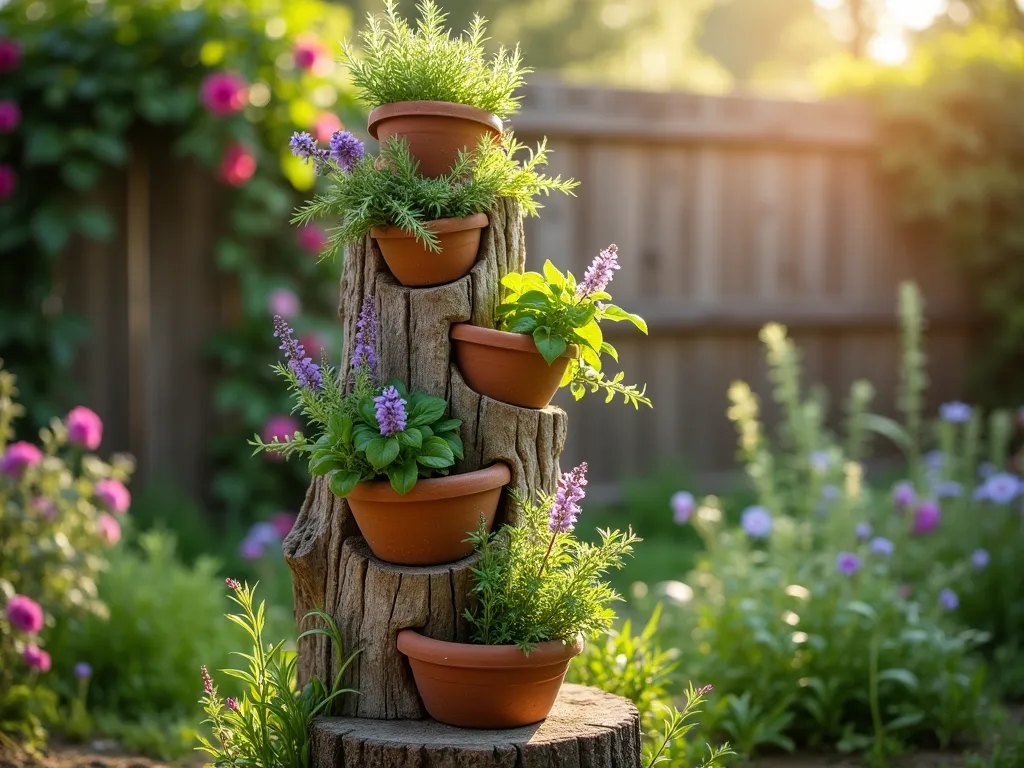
{"points": [[433, 488], [431, 109], [489, 337], [469, 656], [439, 226]]}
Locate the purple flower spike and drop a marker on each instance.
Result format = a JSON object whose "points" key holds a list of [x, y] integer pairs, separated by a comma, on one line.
{"points": [[365, 352], [306, 371], [683, 504], [599, 273], [305, 147], [847, 563], [564, 507], [233, 583], [948, 600], [756, 522], [207, 681], [346, 150], [231, 704], [390, 411], [903, 494], [705, 690]]}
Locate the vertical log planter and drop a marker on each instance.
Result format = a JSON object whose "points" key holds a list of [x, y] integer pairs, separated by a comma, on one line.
{"points": [[373, 601]]}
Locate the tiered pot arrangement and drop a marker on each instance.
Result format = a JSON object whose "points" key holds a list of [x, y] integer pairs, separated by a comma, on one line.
{"points": [[445, 161]]}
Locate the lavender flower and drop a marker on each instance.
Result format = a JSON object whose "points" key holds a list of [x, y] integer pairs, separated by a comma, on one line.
{"points": [[599, 273], [365, 352], [847, 563], [305, 147], [705, 690], [83, 670], [306, 371], [980, 559], [682, 504], [756, 522], [564, 507], [862, 531], [948, 600], [903, 494], [390, 411], [881, 546], [207, 681], [1002, 487], [955, 412], [233, 583], [926, 518], [346, 150]]}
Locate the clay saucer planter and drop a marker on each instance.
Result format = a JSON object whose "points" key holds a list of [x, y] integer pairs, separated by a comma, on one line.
{"points": [[414, 265], [507, 366], [435, 130], [428, 525], [486, 686]]}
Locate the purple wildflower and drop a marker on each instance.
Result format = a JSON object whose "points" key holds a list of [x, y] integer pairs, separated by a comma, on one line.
{"points": [[306, 371], [564, 507], [926, 518], [599, 273], [986, 469], [862, 531], [948, 489], [705, 690], [25, 614], [756, 522], [233, 583], [365, 352], [346, 150], [250, 549], [207, 681], [231, 704], [934, 459], [847, 563], [980, 559], [305, 147], [881, 546], [82, 670], [820, 461], [903, 494], [948, 600], [390, 411], [19, 456], [1002, 487], [955, 412], [682, 504]]}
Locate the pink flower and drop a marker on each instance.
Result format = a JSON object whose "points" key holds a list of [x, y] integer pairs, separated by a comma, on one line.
{"points": [[19, 456], [314, 343], [10, 116], [280, 426], [283, 302], [326, 125], [233, 583], [45, 507], [307, 52], [85, 428], [10, 55], [283, 522], [231, 704], [25, 614], [8, 181], [223, 93], [312, 239], [108, 528], [237, 166], [114, 496], [37, 658], [926, 518]]}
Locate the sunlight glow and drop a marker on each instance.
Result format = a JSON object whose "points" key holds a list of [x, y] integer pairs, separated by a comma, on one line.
{"points": [[888, 49], [916, 14]]}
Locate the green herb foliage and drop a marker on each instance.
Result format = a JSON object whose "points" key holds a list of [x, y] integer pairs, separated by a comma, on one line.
{"points": [[532, 585], [549, 308], [388, 191], [425, 63]]}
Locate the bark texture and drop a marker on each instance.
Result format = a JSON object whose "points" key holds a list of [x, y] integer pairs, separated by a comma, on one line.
{"points": [[587, 728], [332, 567]]}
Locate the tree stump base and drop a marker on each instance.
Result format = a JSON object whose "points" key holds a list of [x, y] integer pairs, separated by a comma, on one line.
{"points": [[587, 728]]}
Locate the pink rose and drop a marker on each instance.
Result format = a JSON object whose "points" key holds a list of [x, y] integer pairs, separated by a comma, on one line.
{"points": [[283, 302], [10, 55], [10, 116], [25, 614], [114, 496], [36, 658], [85, 428], [108, 528], [326, 125], [8, 181], [307, 52], [237, 166], [223, 93], [311, 238], [19, 456]]}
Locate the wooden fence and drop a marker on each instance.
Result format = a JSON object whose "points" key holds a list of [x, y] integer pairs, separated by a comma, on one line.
{"points": [[728, 213]]}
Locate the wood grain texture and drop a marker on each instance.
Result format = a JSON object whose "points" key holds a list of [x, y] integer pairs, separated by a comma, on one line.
{"points": [[587, 728]]}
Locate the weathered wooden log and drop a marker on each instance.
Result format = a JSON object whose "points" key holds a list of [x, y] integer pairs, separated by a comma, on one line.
{"points": [[587, 728]]}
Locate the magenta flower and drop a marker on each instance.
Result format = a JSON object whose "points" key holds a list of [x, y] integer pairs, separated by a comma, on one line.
{"points": [[283, 523], [231, 704], [10, 55], [307, 373], [284, 302], [233, 583], [365, 352], [847, 563], [207, 681], [980, 559], [237, 166], [327, 124], [36, 658], [565, 508], [83, 670], [948, 600], [281, 427], [114, 496], [19, 456], [25, 614], [307, 52], [10, 116], [346, 150], [223, 93], [682, 504], [45, 507], [108, 528], [599, 273], [312, 239], [390, 412], [85, 428], [903, 494], [8, 181], [926, 518], [756, 522]]}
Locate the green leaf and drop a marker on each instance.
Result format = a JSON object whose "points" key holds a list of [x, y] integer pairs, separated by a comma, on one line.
{"points": [[231, 255], [577, 317], [381, 451], [523, 324], [550, 347], [44, 145], [340, 428], [905, 721], [363, 436], [512, 281], [109, 148], [50, 229], [590, 335], [427, 410], [617, 314], [886, 427], [455, 443], [80, 174], [862, 609], [902, 676], [411, 438], [323, 465], [368, 413], [534, 300], [95, 223], [342, 483], [552, 275], [448, 425], [403, 476], [436, 454]]}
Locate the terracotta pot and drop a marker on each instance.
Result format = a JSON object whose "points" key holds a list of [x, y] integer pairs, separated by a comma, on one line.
{"points": [[413, 264], [507, 366], [435, 130], [486, 686], [427, 526]]}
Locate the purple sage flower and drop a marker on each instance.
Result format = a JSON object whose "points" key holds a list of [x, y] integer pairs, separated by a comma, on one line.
{"points": [[903, 494], [18, 456], [847, 563], [948, 489], [862, 531], [955, 412], [682, 504], [599, 273], [926, 518], [980, 559], [83, 670], [304, 147], [1002, 488], [390, 411], [207, 681], [365, 352], [25, 614], [881, 546], [948, 600], [564, 506], [756, 522], [346, 150], [306, 371]]}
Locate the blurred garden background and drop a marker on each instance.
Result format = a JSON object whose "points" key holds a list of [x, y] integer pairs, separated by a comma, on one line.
{"points": [[851, 169]]}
